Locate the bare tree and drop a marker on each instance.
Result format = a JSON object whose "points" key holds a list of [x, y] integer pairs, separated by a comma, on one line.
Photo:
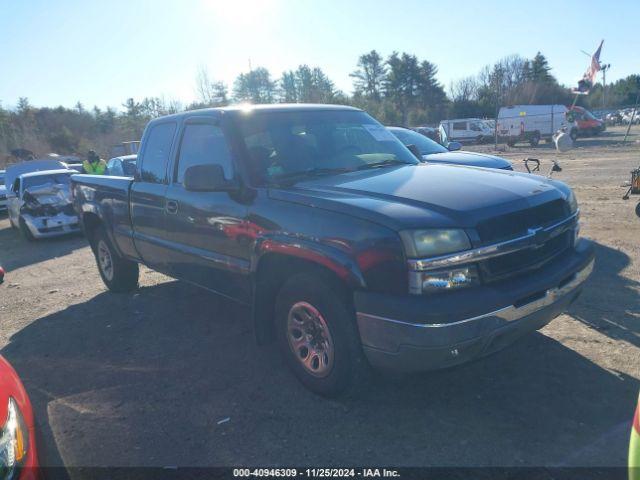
{"points": [[210, 92]]}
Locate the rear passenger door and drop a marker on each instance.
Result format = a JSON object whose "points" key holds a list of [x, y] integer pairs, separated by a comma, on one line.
{"points": [[208, 232], [148, 195]]}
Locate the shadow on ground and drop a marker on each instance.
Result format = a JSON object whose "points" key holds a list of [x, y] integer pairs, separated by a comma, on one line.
{"points": [[170, 376], [17, 252], [620, 320]]}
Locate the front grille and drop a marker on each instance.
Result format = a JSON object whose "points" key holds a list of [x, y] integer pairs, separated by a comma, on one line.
{"points": [[516, 224], [519, 262]]}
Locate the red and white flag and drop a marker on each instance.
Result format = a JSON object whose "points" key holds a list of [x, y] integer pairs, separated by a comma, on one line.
{"points": [[589, 77]]}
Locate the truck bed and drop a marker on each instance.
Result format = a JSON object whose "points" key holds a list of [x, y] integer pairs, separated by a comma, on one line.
{"points": [[107, 198]]}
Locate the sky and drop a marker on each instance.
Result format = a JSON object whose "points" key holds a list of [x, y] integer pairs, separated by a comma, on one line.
{"points": [[103, 52]]}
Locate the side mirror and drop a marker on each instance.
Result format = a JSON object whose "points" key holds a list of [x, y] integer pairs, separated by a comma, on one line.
{"points": [[207, 178], [454, 146], [413, 149]]}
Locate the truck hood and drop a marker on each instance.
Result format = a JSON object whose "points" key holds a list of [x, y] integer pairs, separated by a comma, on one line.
{"points": [[426, 195], [468, 158]]}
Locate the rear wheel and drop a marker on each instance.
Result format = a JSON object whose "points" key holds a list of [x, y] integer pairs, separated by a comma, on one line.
{"points": [[318, 336], [118, 273]]}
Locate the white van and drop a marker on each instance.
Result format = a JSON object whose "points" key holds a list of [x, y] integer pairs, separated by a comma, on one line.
{"points": [[467, 130], [531, 123]]}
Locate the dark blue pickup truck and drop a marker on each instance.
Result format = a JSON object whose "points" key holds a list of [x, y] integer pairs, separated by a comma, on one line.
{"points": [[349, 250]]}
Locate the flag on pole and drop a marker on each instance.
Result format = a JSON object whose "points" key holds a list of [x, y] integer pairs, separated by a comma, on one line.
{"points": [[589, 77]]}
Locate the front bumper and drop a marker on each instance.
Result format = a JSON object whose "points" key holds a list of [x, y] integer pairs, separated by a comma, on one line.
{"points": [[423, 333], [60, 224]]}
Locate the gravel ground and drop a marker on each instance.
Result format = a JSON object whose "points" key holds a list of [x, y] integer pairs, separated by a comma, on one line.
{"points": [[170, 376]]}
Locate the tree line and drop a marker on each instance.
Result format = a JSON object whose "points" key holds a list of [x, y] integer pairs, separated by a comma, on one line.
{"points": [[399, 89]]}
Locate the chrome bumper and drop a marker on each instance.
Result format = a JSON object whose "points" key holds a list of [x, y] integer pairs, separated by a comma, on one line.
{"points": [[60, 224], [393, 343]]}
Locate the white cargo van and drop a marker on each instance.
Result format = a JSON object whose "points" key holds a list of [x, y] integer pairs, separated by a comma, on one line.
{"points": [[467, 130], [531, 123]]}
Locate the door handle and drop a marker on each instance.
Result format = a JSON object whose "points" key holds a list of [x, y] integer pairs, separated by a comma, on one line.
{"points": [[171, 207]]}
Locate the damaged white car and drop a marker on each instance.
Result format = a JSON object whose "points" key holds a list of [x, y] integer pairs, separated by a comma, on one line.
{"points": [[40, 204], [3, 192]]}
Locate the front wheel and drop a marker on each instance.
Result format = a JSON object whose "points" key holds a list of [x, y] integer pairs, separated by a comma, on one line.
{"points": [[26, 233], [318, 336], [535, 140], [118, 274], [573, 134]]}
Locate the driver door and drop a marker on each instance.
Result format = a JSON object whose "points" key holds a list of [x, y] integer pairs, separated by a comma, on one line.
{"points": [[210, 245]]}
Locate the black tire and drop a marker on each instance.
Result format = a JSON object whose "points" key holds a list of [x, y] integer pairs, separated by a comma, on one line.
{"points": [[511, 143], [480, 140], [534, 140], [348, 371], [638, 209], [118, 274], [573, 134], [26, 233]]}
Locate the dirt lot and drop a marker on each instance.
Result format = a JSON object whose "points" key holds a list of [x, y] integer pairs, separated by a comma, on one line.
{"points": [[149, 378]]}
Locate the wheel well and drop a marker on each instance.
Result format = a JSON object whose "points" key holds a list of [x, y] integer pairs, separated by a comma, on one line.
{"points": [[90, 222], [272, 272]]}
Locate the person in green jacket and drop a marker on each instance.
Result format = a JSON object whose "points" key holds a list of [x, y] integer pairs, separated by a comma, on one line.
{"points": [[94, 165]]}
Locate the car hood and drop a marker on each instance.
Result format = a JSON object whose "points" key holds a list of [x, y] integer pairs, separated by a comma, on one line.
{"points": [[468, 158], [425, 195]]}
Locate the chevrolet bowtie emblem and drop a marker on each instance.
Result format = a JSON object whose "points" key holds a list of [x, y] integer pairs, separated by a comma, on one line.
{"points": [[540, 237]]}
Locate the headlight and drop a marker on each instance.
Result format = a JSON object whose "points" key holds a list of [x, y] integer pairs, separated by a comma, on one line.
{"points": [[431, 243], [571, 200], [14, 442], [433, 281]]}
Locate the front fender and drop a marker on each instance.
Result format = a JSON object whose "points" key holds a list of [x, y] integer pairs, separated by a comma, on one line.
{"points": [[331, 258]]}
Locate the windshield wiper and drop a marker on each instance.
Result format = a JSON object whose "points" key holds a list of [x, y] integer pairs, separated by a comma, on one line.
{"points": [[312, 172], [385, 163]]}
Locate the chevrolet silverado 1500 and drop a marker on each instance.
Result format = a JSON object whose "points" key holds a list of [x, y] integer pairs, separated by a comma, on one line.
{"points": [[349, 250]]}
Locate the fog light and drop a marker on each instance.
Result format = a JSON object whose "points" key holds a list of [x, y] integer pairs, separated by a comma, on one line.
{"points": [[443, 280]]}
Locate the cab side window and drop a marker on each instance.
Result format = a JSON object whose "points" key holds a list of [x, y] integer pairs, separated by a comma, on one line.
{"points": [[156, 152], [459, 125], [202, 144]]}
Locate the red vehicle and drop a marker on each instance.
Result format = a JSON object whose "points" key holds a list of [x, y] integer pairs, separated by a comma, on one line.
{"points": [[18, 453], [588, 125]]}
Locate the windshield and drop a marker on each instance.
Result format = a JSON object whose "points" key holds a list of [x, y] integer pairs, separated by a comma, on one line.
{"points": [[425, 145], [290, 144], [37, 181]]}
